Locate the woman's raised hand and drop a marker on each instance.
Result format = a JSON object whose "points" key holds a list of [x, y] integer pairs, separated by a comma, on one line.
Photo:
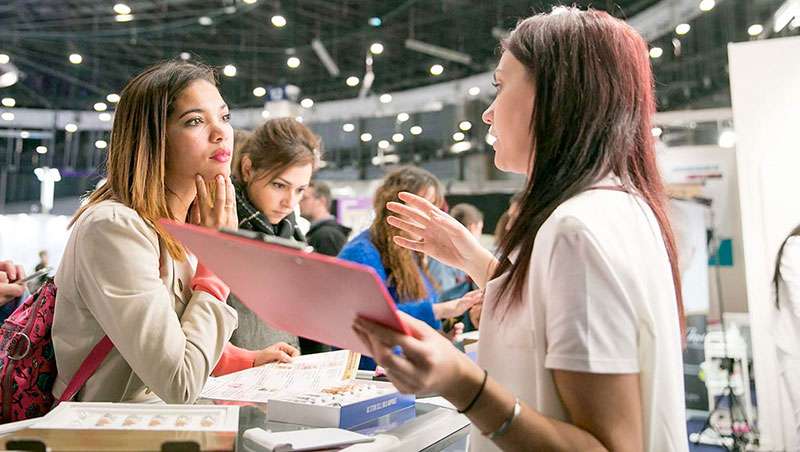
{"points": [[438, 235], [219, 213]]}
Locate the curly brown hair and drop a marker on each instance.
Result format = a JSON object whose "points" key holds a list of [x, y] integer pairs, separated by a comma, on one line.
{"points": [[402, 266]]}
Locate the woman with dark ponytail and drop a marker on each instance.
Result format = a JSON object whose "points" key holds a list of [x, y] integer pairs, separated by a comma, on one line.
{"points": [[580, 345]]}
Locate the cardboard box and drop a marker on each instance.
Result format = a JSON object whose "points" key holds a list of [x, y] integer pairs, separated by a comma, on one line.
{"points": [[346, 407]]}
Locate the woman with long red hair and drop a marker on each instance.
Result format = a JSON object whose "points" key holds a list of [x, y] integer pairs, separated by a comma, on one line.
{"points": [[580, 345]]}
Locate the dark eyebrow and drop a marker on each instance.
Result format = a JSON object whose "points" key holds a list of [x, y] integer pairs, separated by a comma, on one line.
{"points": [[200, 110], [280, 179], [193, 110]]}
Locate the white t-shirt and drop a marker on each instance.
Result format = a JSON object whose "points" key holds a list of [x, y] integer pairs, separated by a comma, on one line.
{"points": [[599, 298]]}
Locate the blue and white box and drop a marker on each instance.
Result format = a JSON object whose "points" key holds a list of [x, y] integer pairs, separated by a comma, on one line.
{"points": [[346, 407]]}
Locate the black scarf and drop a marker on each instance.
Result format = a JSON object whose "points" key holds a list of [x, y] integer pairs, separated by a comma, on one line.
{"points": [[252, 219]]}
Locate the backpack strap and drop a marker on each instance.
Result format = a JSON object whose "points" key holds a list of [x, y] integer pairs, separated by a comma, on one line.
{"points": [[88, 367]]}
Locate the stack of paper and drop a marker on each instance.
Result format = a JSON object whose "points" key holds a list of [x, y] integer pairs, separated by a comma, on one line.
{"points": [[305, 374]]}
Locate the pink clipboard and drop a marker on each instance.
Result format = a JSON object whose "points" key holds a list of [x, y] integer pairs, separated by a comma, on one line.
{"points": [[306, 294]]}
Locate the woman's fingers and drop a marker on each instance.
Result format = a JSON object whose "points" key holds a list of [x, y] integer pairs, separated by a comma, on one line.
{"points": [[384, 354], [412, 213], [10, 270], [219, 200], [416, 201], [407, 226], [291, 351], [202, 200], [389, 338], [413, 245]]}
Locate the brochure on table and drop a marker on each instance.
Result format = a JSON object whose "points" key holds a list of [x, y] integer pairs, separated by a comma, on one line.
{"points": [[305, 374]]}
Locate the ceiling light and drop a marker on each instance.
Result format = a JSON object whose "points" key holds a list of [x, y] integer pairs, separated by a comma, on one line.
{"points": [[299, 119], [376, 48], [437, 69], [9, 102], [75, 58], [461, 146], [656, 52], [113, 98], [474, 91], [100, 106], [229, 9], [265, 114], [9, 78], [249, 2], [205, 21], [278, 21], [755, 29], [415, 130], [71, 128], [41, 149], [383, 144], [185, 56], [682, 29], [24, 134], [657, 131], [121, 8], [385, 98], [458, 136], [375, 21], [229, 70], [105, 117], [707, 5], [366, 136], [398, 137], [402, 117], [259, 91], [123, 17], [293, 62], [465, 125], [352, 81], [307, 103], [348, 127], [100, 144], [7, 116], [727, 139], [4, 59]]}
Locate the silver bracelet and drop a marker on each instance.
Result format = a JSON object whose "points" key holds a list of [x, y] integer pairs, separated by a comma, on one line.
{"points": [[507, 424]]}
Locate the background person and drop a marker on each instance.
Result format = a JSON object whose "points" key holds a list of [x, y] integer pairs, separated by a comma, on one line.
{"points": [[273, 170], [325, 234]]}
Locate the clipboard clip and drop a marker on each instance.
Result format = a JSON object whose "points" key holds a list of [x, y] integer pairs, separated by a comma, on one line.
{"points": [[271, 239]]}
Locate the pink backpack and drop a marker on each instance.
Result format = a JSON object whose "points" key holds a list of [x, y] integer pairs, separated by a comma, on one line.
{"points": [[28, 363]]}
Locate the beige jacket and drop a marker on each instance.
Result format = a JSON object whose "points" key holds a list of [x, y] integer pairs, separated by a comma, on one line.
{"points": [[116, 279]]}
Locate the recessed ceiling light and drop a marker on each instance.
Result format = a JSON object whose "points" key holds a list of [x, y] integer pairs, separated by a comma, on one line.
{"points": [[278, 21]]}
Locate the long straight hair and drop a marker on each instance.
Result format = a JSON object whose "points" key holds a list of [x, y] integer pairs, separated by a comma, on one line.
{"points": [[137, 152], [592, 108]]}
